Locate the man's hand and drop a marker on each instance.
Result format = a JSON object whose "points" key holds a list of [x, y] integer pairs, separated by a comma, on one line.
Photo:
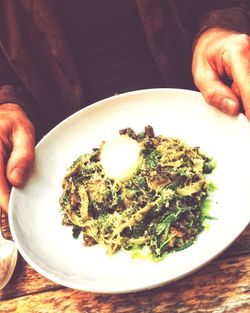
{"points": [[17, 140], [219, 55]]}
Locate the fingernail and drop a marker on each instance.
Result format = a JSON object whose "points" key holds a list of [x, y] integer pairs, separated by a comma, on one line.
{"points": [[228, 106], [18, 175]]}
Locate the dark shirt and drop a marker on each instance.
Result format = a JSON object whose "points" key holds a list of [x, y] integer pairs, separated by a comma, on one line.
{"points": [[109, 47], [42, 71]]}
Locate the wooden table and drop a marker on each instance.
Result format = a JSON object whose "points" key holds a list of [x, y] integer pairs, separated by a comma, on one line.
{"points": [[221, 286]]}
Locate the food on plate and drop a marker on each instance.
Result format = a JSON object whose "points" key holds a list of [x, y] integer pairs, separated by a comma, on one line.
{"points": [[138, 191], [120, 158]]}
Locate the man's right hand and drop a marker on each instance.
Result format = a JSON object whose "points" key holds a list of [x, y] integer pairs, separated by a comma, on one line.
{"points": [[17, 141], [220, 54]]}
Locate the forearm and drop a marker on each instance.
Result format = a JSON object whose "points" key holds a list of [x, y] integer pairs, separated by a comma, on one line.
{"points": [[11, 94], [12, 89], [235, 18]]}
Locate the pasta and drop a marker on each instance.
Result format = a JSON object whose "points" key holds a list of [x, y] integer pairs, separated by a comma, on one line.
{"points": [[159, 206]]}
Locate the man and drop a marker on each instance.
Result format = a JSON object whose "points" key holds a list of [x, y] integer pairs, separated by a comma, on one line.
{"points": [[58, 56]]}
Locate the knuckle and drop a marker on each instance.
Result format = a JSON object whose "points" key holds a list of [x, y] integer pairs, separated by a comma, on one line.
{"points": [[27, 130], [211, 96], [241, 44], [198, 77], [31, 129], [244, 42], [24, 155]]}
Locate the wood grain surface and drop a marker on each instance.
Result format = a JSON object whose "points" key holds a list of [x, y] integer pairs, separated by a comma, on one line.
{"points": [[223, 285]]}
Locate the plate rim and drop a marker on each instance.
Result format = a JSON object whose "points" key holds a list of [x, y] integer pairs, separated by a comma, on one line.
{"points": [[59, 281]]}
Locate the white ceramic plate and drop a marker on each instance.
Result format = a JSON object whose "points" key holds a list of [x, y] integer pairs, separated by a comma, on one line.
{"points": [[34, 216]]}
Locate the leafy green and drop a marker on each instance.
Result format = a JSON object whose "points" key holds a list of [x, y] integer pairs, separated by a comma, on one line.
{"points": [[161, 209]]}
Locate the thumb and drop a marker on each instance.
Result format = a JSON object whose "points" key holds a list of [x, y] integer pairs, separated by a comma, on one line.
{"points": [[218, 94], [21, 157]]}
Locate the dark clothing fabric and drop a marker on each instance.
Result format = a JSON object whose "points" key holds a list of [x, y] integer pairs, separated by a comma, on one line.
{"points": [[39, 70], [108, 46]]}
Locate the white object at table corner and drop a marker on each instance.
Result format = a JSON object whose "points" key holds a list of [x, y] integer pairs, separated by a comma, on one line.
{"points": [[8, 257]]}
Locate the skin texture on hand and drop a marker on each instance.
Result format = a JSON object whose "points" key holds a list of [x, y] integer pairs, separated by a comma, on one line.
{"points": [[17, 140], [221, 55]]}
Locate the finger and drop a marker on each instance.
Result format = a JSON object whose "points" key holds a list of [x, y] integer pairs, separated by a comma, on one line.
{"points": [[215, 92], [21, 157], [4, 187], [241, 76], [235, 89]]}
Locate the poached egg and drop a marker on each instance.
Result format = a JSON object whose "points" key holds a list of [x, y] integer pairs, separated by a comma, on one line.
{"points": [[120, 158]]}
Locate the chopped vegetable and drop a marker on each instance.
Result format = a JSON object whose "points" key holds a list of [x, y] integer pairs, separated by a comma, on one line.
{"points": [[159, 206]]}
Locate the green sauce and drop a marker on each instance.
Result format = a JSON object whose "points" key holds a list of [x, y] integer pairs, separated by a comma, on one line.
{"points": [[211, 186], [143, 254]]}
